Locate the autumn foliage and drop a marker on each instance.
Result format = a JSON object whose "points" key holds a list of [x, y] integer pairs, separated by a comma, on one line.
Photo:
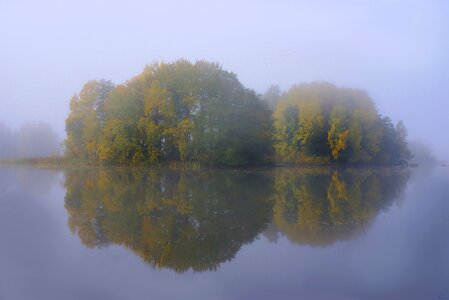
{"points": [[320, 122], [198, 112], [171, 112]]}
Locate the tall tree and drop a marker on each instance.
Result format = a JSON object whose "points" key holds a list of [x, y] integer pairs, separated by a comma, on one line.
{"points": [[86, 120], [37, 140], [272, 95], [320, 122], [172, 111]]}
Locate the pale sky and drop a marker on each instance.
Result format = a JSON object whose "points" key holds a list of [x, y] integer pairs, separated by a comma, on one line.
{"points": [[396, 50]]}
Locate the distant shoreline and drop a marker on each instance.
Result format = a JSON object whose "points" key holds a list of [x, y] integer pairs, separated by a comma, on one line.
{"points": [[62, 162]]}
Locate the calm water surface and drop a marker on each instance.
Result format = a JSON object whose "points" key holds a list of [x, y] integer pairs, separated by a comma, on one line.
{"points": [[224, 234]]}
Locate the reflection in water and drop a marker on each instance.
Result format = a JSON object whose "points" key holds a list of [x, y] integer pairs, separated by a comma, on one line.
{"points": [[320, 206], [199, 219], [178, 220], [28, 180]]}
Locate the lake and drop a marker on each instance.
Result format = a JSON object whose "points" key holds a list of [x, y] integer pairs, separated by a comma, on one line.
{"points": [[284, 233]]}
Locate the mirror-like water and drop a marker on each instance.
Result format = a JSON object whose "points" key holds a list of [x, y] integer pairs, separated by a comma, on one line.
{"points": [[314, 233]]}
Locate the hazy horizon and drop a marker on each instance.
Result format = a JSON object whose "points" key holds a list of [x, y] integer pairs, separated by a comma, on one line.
{"points": [[396, 50]]}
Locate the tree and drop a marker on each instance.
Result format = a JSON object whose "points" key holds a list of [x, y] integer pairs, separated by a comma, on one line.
{"points": [[403, 154], [171, 111], [8, 147], [86, 120], [37, 140], [272, 96], [320, 122], [421, 153], [185, 111]]}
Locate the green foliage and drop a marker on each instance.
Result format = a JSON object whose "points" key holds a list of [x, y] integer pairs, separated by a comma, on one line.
{"points": [[32, 140], [170, 112], [272, 96], [198, 112], [320, 122], [86, 120]]}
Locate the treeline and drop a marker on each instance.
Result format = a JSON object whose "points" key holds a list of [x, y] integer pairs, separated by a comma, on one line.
{"points": [[30, 141], [199, 112], [320, 122]]}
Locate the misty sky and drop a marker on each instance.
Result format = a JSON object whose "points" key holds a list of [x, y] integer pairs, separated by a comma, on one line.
{"points": [[397, 50]]}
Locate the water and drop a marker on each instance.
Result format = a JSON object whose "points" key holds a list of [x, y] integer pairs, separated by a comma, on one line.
{"points": [[224, 234]]}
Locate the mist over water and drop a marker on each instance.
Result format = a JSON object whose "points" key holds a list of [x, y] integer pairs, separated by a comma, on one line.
{"points": [[396, 50], [224, 150], [32, 140], [284, 233]]}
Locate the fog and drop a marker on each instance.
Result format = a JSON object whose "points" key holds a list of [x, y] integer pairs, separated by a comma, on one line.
{"points": [[32, 140], [396, 50]]}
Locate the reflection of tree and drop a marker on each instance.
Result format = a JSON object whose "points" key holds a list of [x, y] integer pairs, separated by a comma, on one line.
{"points": [[320, 206], [199, 219], [177, 220]]}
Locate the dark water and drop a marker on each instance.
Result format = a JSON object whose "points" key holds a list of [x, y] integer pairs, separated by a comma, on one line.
{"points": [[222, 234]]}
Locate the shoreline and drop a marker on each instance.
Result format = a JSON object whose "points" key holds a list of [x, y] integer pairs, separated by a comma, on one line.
{"points": [[64, 163]]}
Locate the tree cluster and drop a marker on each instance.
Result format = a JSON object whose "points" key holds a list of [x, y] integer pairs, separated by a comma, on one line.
{"points": [[185, 111], [171, 112], [320, 122], [30, 141]]}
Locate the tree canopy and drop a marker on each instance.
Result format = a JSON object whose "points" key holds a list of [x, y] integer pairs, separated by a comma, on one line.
{"points": [[320, 122], [32, 140], [171, 111], [185, 111]]}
